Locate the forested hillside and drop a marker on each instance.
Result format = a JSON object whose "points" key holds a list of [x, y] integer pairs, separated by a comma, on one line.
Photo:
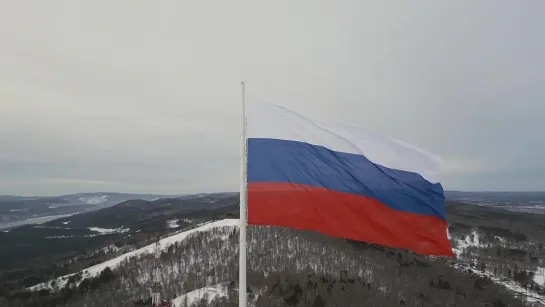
{"points": [[34, 253], [299, 268], [499, 253]]}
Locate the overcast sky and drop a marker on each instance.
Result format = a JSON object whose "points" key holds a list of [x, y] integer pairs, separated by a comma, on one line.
{"points": [[143, 96]]}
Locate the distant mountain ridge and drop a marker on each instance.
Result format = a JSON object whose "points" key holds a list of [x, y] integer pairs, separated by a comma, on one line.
{"points": [[76, 196], [496, 196], [21, 208], [450, 194], [147, 214], [15, 208], [530, 202]]}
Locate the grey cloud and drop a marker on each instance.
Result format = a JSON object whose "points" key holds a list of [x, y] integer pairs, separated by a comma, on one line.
{"points": [[144, 97]]}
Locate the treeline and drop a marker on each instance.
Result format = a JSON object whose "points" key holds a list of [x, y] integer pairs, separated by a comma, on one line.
{"points": [[312, 290], [286, 268]]}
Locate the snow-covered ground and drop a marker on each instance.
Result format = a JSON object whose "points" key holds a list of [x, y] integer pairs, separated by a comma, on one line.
{"points": [[473, 240], [227, 224], [212, 292], [539, 276], [108, 249], [531, 297], [106, 231], [173, 224]]}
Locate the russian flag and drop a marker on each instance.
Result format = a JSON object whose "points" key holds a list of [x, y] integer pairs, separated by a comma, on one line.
{"points": [[342, 181]]}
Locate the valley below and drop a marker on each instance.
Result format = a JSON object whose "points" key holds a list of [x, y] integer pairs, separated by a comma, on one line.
{"points": [[36, 220], [19, 210]]}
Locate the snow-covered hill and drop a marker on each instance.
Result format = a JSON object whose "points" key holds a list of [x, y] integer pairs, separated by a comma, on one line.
{"points": [[207, 256], [93, 271]]}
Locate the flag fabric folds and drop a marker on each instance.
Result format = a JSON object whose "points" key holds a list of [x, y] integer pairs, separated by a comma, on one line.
{"points": [[342, 181]]}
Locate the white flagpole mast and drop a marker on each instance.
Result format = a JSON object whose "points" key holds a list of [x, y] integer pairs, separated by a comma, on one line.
{"points": [[243, 204]]}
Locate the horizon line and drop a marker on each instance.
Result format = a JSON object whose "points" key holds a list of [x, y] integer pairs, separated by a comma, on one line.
{"points": [[223, 192]]}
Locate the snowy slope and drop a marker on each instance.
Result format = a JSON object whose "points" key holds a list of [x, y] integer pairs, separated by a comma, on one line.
{"points": [[468, 241], [227, 224]]}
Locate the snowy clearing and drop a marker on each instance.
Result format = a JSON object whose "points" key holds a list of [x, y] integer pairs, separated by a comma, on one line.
{"points": [[212, 292], [106, 231], [539, 276], [227, 224], [173, 224], [469, 240]]}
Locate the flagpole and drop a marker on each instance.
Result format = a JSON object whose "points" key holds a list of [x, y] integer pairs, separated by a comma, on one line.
{"points": [[243, 204]]}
